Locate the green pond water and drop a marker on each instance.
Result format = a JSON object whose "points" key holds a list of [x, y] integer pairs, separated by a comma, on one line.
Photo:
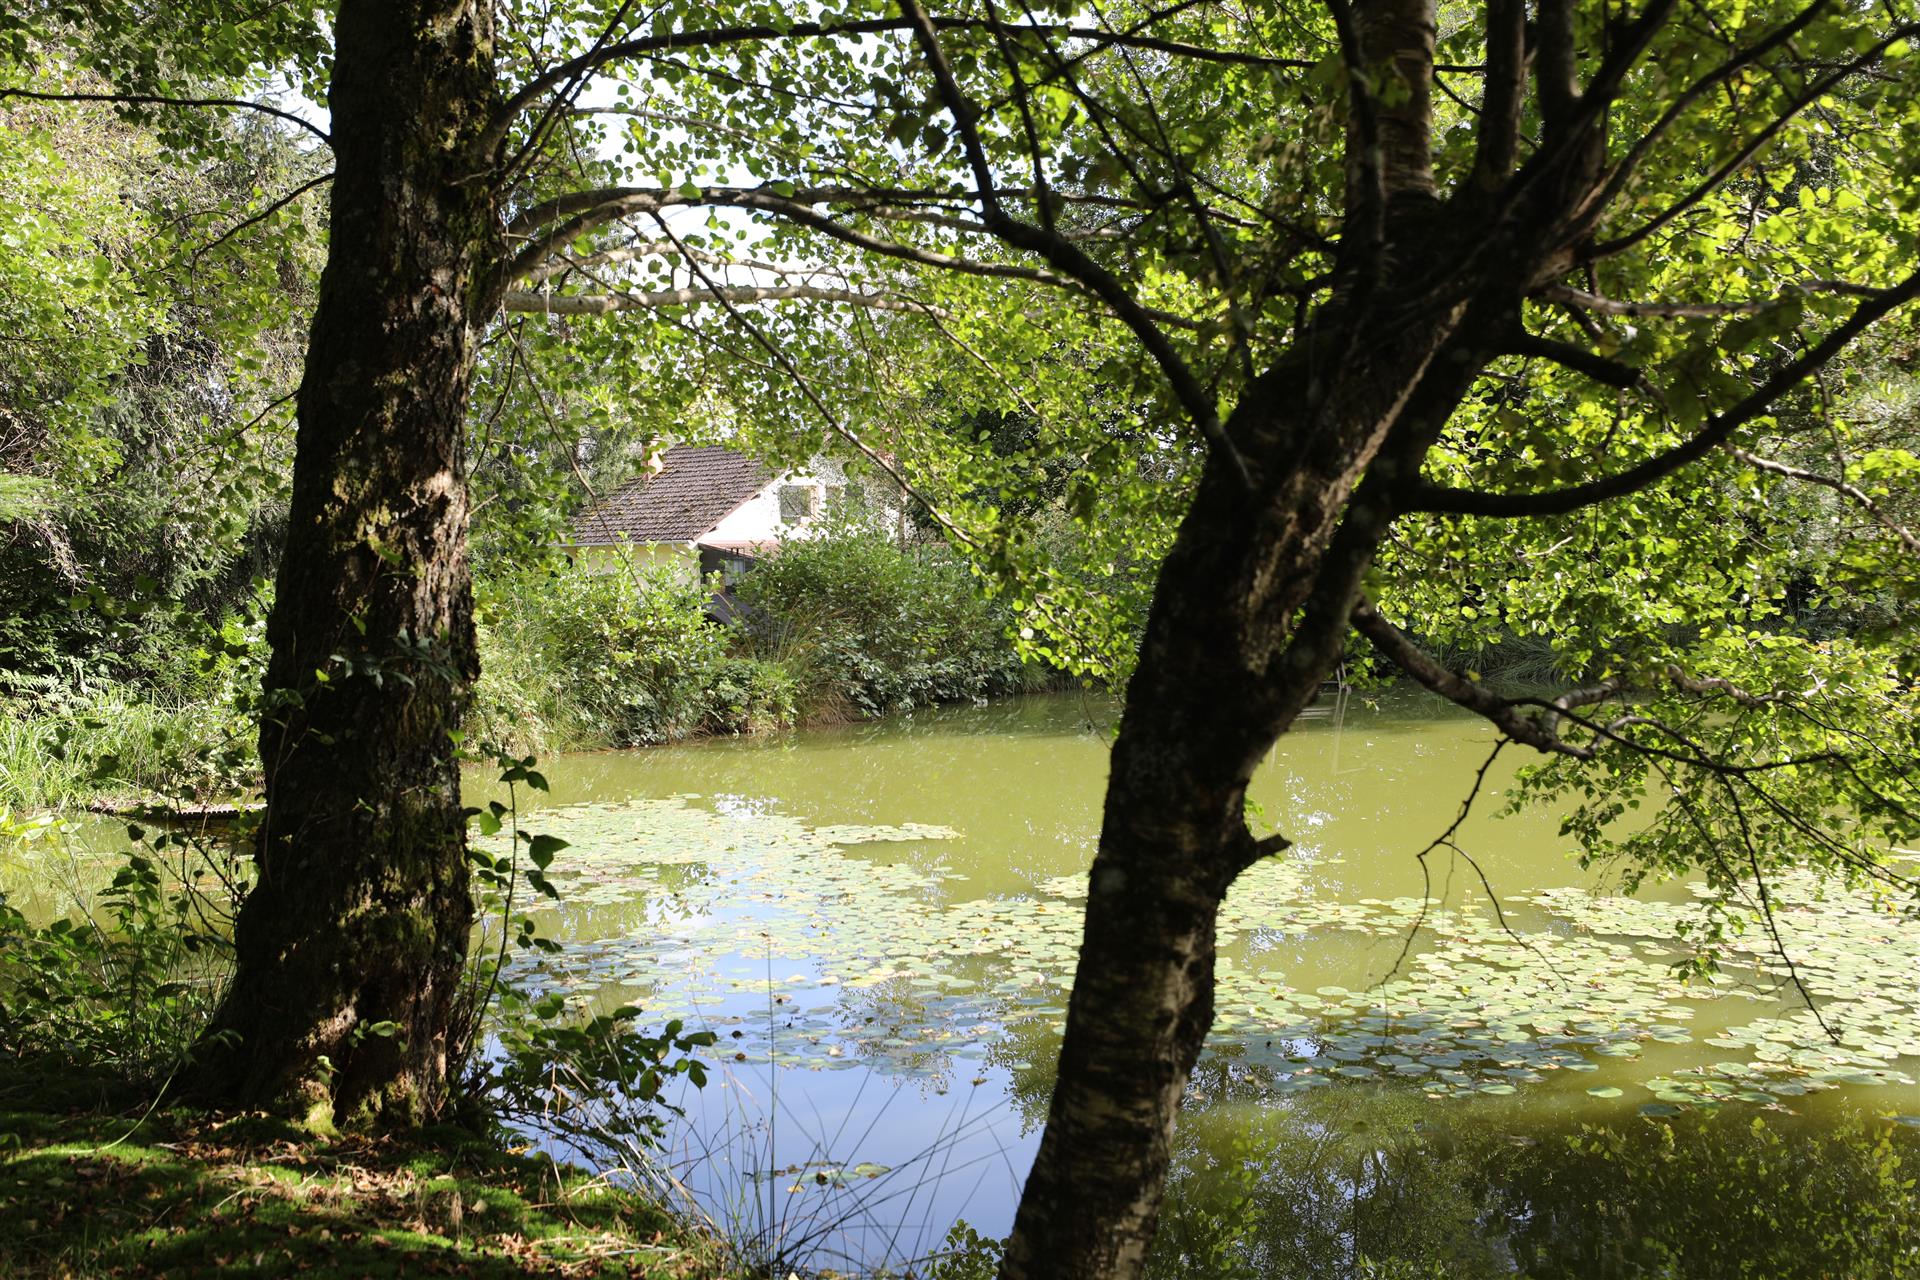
{"points": [[880, 923]]}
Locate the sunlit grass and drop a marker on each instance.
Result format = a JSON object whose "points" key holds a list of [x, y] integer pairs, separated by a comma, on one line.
{"points": [[181, 1194]]}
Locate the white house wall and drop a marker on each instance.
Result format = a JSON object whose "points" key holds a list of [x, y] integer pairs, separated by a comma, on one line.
{"points": [[756, 522]]}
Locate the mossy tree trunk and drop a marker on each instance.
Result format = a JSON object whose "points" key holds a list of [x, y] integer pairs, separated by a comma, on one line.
{"points": [[352, 944]]}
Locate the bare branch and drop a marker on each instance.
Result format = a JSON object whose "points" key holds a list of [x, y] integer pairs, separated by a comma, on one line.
{"points": [[628, 202], [1571, 297], [1443, 841], [256, 219], [828, 417], [564, 264]]}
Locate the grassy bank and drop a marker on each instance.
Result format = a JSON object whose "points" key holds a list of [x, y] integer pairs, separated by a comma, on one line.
{"points": [[90, 1192]]}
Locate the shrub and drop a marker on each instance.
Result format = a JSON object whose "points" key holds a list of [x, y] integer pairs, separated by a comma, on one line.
{"points": [[883, 627], [753, 695], [571, 657]]}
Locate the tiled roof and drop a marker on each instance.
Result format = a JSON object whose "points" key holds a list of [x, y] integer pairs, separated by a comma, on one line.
{"points": [[694, 488]]}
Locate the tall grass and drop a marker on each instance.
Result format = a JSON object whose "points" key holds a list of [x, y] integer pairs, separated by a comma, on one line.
{"points": [[111, 744]]}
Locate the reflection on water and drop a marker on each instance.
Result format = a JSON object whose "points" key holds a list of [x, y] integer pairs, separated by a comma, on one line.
{"points": [[892, 1003], [1370, 1182], [879, 922]]}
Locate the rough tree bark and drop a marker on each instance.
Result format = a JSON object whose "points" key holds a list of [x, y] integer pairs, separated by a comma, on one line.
{"points": [[1250, 612], [352, 943]]}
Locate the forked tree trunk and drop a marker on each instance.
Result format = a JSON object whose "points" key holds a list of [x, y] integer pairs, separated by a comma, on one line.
{"points": [[1223, 671], [1249, 615], [352, 943]]}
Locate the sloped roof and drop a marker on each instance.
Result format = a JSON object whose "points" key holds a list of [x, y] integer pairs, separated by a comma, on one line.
{"points": [[695, 487]]}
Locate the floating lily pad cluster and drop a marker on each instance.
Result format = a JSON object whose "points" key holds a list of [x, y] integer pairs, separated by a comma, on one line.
{"points": [[817, 947]]}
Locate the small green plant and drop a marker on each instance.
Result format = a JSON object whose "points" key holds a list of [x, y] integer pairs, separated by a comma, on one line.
{"points": [[128, 981], [595, 1082], [965, 1254]]}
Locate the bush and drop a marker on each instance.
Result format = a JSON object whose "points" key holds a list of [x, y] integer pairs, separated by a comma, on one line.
{"points": [[884, 628], [843, 625], [570, 657]]}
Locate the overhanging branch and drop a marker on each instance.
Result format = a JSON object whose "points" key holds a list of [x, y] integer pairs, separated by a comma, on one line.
{"points": [[161, 100], [537, 302], [1719, 429], [1399, 649]]}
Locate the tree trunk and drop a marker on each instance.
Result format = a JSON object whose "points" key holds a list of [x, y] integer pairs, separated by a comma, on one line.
{"points": [[1217, 683], [352, 944], [1250, 612]]}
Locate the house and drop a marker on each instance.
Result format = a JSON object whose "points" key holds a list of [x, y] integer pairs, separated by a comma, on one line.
{"points": [[702, 509]]}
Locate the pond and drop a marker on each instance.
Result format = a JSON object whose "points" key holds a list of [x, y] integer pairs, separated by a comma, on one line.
{"points": [[1488, 1068], [1482, 1067]]}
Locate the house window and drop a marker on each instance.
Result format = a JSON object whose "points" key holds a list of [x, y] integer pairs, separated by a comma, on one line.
{"points": [[796, 502]]}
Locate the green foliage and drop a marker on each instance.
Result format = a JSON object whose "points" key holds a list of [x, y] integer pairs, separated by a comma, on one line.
{"points": [[884, 628], [128, 980], [154, 316], [596, 1083], [620, 658], [849, 624], [110, 742], [185, 731], [964, 1254]]}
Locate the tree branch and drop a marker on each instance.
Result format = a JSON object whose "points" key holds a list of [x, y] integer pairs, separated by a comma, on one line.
{"points": [[536, 302], [1611, 373], [1555, 60], [1504, 96], [1859, 497], [1720, 427], [1395, 645], [1571, 297], [1064, 256], [256, 219], [627, 202], [674, 42], [160, 100], [1718, 177], [1624, 170]]}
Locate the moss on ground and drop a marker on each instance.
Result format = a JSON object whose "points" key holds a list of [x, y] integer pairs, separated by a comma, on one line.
{"points": [[94, 1193]]}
